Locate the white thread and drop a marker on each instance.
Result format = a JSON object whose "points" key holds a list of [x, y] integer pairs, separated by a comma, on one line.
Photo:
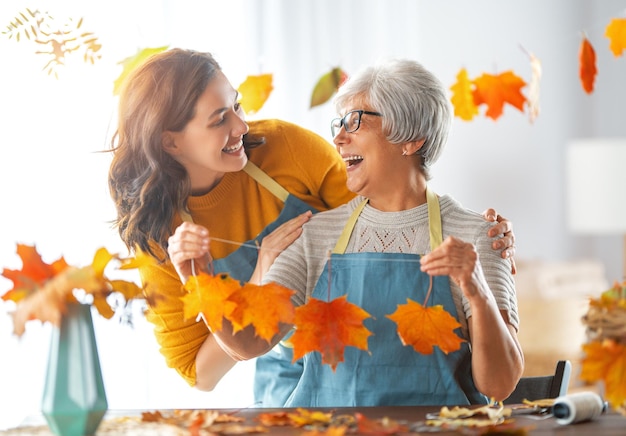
{"points": [[577, 407]]}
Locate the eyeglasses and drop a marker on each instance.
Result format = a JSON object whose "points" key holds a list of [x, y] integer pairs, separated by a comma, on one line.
{"points": [[350, 121]]}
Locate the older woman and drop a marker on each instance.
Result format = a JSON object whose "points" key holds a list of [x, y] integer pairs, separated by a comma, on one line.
{"points": [[394, 123]]}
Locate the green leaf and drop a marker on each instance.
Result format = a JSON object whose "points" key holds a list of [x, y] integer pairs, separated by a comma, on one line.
{"points": [[327, 85]]}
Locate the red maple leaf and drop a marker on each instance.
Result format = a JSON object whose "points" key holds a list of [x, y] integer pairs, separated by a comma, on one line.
{"points": [[329, 327]]}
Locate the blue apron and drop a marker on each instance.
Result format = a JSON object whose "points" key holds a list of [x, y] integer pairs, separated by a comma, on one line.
{"points": [[390, 373], [275, 376]]}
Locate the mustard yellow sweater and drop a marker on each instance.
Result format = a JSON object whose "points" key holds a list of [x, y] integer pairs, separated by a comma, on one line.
{"points": [[237, 210]]}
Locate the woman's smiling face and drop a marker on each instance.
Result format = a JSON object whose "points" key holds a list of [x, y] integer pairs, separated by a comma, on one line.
{"points": [[370, 158], [211, 143]]}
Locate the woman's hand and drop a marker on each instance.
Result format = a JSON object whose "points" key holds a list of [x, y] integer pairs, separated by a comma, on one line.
{"points": [[190, 242], [274, 243], [507, 242], [459, 260]]}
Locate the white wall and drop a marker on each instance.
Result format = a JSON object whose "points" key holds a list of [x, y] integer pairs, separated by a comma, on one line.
{"points": [[53, 183]]}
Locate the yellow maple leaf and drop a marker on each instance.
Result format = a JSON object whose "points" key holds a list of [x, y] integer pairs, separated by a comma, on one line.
{"points": [[606, 361], [265, 307], [208, 296], [462, 99], [255, 91], [616, 32], [132, 62], [425, 327]]}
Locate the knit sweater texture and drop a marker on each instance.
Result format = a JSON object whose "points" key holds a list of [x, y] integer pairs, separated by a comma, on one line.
{"points": [[237, 210]]}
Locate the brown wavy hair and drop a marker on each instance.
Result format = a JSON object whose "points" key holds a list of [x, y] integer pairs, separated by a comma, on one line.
{"points": [[147, 185]]}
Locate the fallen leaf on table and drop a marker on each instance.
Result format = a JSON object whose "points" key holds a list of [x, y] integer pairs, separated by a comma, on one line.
{"points": [[329, 327], [380, 426], [423, 328]]}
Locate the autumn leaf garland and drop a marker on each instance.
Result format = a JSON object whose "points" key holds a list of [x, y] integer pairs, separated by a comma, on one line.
{"points": [[323, 326]]}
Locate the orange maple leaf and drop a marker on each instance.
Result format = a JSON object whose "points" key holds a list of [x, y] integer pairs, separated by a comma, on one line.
{"points": [[208, 296], [424, 327], [327, 85], [34, 273], [587, 68], [462, 99], [616, 32], [265, 307], [329, 327], [255, 91], [497, 90], [606, 361]]}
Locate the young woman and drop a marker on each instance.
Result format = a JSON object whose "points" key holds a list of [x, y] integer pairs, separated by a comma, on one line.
{"points": [[187, 169], [394, 123]]}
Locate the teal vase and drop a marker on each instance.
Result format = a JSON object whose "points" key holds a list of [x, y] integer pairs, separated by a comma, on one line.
{"points": [[74, 401]]}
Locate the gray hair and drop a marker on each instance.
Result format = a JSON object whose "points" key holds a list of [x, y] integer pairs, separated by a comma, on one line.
{"points": [[413, 101]]}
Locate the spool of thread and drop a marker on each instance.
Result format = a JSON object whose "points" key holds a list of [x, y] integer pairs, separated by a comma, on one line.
{"points": [[578, 407]]}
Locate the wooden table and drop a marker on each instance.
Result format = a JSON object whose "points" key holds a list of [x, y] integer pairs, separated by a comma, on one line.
{"points": [[119, 422]]}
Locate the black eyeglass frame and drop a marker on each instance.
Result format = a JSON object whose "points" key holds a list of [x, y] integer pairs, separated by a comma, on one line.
{"points": [[342, 121]]}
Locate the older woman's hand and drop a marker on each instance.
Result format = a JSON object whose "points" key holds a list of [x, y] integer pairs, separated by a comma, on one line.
{"points": [[188, 249], [457, 259]]}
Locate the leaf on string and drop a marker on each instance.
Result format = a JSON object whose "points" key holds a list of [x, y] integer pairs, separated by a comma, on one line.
{"points": [[208, 296], [587, 65], [606, 361], [462, 99], [497, 90], [265, 307], [533, 88], [327, 85], [426, 327], [255, 91], [132, 62], [616, 32], [329, 327]]}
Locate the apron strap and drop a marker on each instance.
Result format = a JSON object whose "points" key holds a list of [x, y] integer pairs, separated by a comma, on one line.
{"points": [[434, 223], [261, 178], [434, 219], [266, 181], [342, 243]]}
